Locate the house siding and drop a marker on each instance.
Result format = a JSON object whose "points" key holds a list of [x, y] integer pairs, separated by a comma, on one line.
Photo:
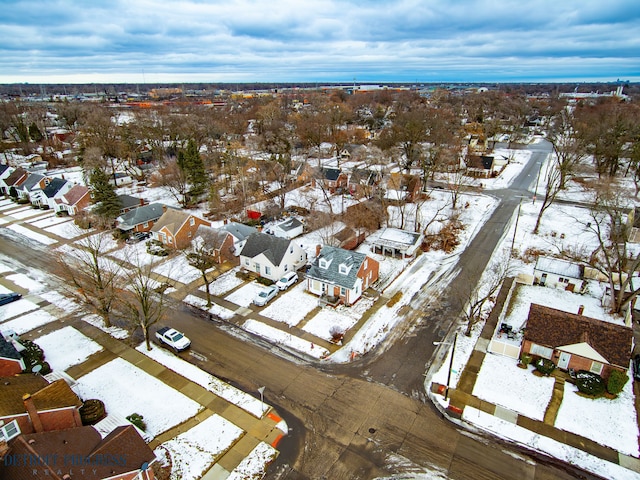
{"points": [[10, 367]]}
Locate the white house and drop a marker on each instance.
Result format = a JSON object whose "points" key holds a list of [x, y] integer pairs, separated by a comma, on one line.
{"points": [[289, 228], [270, 256], [557, 273]]}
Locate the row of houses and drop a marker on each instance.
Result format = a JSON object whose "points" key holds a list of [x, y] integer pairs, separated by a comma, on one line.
{"points": [[41, 191]]}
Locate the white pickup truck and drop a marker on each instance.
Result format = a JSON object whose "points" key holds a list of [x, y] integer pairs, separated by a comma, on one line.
{"points": [[173, 338]]}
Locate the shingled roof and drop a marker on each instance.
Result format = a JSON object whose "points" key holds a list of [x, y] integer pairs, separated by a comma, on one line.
{"points": [[333, 258], [8, 349], [274, 248], [69, 451], [140, 215], [45, 395], [554, 328]]}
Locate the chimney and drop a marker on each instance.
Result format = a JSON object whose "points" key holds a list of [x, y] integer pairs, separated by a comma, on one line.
{"points": [[32, 412], [164, 208], [318, 248], [580, 309], [142, 202]]}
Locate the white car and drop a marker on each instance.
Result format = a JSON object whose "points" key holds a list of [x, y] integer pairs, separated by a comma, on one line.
{"points": [[173, 339], [266, 294], [287, 280]]}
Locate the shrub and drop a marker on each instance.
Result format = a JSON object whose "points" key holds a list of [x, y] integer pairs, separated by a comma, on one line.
{"points": [[544, 366], [525, 359], [590, 383], [138, 421], [264, 281], [92, 411], [337, 334], [617, 381], [32, 355]]}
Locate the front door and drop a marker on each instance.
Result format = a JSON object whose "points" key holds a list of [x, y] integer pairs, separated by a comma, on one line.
{"points": [[563, 362], [543, 279]]}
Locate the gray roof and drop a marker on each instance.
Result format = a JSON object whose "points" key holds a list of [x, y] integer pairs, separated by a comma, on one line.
{"points": [[274, 248], [137, 216], [128, 201], [289, 224], [31, 181], [336, 257], [54, 187], [238, 230], [8, 350], [213, 238]]}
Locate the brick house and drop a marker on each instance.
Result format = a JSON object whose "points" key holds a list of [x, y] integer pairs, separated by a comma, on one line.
{"points": [[76, 199], [341, 274], [217, 243], [408, 186], [573, 341], [37, 405], [270, 256], [80, 453], [331, 179], [140, 219], [11, 361], [176, 228], [12, 181], [34, 182]]}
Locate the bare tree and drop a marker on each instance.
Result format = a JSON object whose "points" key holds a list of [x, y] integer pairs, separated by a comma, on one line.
{"points": [[144, 299], [200, 257], [552, 188], [94, 278]]}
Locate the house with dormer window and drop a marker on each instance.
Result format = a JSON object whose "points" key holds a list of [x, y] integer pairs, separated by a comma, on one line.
{"points": [[340, 276]]}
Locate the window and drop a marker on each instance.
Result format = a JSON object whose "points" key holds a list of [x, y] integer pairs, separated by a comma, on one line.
{"points": [[596, 367], [192, 221], [286, 267], [343, 291], [343, 269], [145, 225], [267, 270], [323, 263], [366, 263], [291, 249], [247, 262], [10, 430], [256, 267], [541, 351], [189, 234]]}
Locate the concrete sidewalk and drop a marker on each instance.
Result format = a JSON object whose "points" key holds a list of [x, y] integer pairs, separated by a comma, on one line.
{"points": [[462, 396]]}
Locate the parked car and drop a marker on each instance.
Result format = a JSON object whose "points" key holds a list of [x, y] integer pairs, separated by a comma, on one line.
{"points": [[266, 294], [636, 367], [138, 237], [9, 297], [173, 338], [287, 280]]}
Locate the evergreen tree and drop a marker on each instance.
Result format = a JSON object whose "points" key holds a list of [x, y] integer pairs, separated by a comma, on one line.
{"points": [[190, 162], [108, 204], [34, 133]]}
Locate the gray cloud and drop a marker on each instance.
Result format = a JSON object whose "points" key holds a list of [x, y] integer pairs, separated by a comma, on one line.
{"points": [[318, 40]]}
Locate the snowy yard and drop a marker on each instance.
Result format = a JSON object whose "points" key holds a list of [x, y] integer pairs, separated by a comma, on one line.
{"points": [[245, 295], [14, 309], [291, 306], [35, 236], [215, 309], [224, 283], [178, 270], [501, 382], [285, 339], [195, 451], [66, 347], [327, 320], [28, 321], [125, 389]]}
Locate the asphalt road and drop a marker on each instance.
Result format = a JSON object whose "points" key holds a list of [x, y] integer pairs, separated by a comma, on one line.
{"points": [[367, 419]]}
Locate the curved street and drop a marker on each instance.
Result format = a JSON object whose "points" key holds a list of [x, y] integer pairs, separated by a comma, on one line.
{"points": [[369, 418]]}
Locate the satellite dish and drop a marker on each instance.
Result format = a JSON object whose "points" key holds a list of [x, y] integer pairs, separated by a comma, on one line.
{"points": [[144, 467], [36, 369]]}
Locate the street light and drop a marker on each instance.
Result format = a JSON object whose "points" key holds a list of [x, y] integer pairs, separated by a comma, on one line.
{"points": [[261, 390], [453, 351]]}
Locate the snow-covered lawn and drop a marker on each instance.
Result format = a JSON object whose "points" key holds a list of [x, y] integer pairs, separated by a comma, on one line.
{"points": [[25, 282], [607, 422], [67, 230], [245, 295], [291, 306], [125, 389], [66, 347], [284, 338], [196, 450], [50, 221], [38, 237], [254, 464], [60, 301], [136, 254], [26, 213], [231, 394], [525, 295], [19, 307], [215, 309], [97, 321], [178, 270], [28, 321], [501, 382], [326, 320], [224, 283]]}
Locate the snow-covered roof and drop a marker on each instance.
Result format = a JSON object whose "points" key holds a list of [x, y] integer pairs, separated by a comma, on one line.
{"points": [[558, 267], [399, 239]]}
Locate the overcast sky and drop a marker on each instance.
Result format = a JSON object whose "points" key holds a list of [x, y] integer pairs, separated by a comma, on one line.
{"points": [[74, 41]]}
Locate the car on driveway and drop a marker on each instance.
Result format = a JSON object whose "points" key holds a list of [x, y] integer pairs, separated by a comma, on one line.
{"points": [[9, 297], [138, 237], [173, 338], [287, 280], [264, 295]]}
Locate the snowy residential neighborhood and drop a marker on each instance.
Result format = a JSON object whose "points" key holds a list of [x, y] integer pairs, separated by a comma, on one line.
{"points": [[143, 323]]}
